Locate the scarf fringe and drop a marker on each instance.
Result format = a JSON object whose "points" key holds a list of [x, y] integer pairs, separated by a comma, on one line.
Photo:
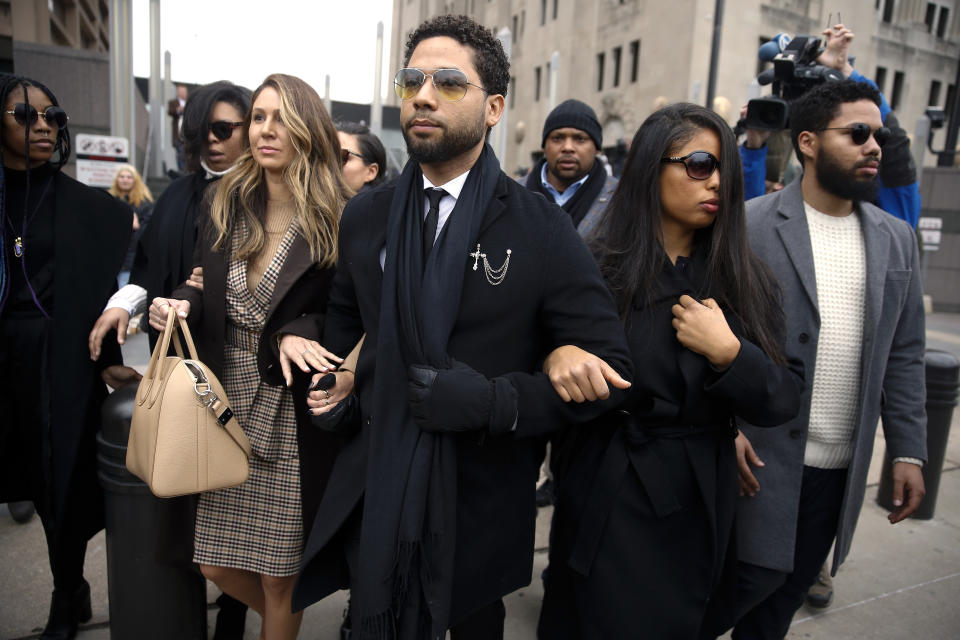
{"points": [[379, 626], [407, 551]]}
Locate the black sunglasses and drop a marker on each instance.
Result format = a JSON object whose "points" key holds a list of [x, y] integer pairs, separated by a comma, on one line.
{"points": [[345, 156], [223, 129], [26, 115], [451, 84], [700, 165], [860, 133]]}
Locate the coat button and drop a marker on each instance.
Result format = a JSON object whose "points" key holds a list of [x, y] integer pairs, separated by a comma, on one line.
{"points": [[803, 338], [795, 433]]}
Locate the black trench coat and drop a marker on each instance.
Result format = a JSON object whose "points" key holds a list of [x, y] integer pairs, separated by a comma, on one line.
{"points": [[646, 495]]}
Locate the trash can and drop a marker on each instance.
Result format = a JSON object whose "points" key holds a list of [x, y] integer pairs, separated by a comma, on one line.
{"points": [[149, 599], [943, 376]]}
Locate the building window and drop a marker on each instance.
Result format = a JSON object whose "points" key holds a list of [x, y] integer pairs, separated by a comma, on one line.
{"points": [[897, 90], [930, 16], [515, 25], [513, 92], [523, 20], [634, 60], [943, 22], [543, 12], [555, 2], [536, 84], [888, 10], [934, 98], [600, 71], [548, 80], [617, 54], [881, 78]]}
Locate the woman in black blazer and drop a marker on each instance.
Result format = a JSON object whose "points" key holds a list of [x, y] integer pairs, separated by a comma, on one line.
{"points": [[268, 252], [641, 540]]}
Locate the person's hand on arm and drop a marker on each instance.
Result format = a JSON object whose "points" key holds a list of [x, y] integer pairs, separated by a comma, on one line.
{"points": [[703, 329], [746, 456], [195, 279], [118, 375], [908, 490], [307, 355], [580, 376]]}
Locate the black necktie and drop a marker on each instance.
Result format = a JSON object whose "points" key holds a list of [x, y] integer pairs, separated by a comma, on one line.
{"points": [[431, 221]]}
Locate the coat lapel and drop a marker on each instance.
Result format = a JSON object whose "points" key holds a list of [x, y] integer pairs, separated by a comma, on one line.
{"points": [[876, 244], [296, 264], [497, 205], [795, 237]]}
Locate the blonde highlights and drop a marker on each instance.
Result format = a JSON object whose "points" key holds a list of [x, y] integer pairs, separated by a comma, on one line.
{"points": [[139, 192], [313, 177]]}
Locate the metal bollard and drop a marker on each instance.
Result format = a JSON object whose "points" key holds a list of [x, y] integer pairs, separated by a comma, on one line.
{"points": [[943, 375], [149, 599]]}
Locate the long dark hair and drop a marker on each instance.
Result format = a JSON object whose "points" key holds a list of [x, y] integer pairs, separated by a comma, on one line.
{"points": [[196, 116], [9, 84], [629, 240], [370, 148]]}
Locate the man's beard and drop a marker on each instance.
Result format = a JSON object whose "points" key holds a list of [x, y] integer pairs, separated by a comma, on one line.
{"points": [[451, 144], [843, 182]]}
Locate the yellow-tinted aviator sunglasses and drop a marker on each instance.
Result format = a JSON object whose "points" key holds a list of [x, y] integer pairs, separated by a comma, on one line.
{"points": [[451, 84]]}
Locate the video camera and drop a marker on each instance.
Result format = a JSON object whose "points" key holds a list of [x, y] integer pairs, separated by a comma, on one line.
{"points": [[795, 70]]}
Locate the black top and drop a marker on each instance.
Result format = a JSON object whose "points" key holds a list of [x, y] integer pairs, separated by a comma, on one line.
{"points": [[37, 238]]}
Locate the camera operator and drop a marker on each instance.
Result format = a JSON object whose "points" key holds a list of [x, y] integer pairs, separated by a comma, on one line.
{"points": [[898, 191]]}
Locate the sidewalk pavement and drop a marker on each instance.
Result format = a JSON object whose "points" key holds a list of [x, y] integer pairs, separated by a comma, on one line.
{"points": [[898, 582]]}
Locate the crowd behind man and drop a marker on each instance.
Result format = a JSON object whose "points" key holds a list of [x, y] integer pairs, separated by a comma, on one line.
{"points": [[670, 341]]}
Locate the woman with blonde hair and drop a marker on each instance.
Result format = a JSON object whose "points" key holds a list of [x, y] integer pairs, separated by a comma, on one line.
{"points": [[129, 187], [267, 250]]}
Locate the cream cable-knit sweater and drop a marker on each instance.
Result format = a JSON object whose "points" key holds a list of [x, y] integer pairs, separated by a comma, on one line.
{"points": [[839, 261]]}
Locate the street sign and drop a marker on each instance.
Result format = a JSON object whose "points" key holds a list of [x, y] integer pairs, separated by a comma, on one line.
{"points": [[98, 158], [930, 232]]}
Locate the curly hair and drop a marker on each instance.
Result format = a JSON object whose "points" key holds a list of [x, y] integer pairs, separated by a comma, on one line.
{"points": [[814, 110], [488, 55]]}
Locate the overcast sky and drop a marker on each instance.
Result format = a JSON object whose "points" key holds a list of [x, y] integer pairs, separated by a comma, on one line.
{"points": [[244, 41]]}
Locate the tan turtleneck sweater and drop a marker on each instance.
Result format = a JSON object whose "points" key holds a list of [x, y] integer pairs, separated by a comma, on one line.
{"points": [[279, 216]]}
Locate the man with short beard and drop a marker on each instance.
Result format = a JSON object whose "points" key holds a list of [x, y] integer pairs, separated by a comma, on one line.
{"points": [[463, 281], [570, 174], [850, 280]]}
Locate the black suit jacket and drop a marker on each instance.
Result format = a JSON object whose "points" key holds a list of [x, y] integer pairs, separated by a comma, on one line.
{"points": [[553, 294], [297, 306]]}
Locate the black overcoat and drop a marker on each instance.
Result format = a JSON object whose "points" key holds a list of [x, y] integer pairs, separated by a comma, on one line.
{"points": [[553, 294], [298, 305], [647, 494], [91, 233]]}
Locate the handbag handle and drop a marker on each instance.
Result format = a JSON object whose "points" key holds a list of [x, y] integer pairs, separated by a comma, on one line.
{"points": [[161, 348]]}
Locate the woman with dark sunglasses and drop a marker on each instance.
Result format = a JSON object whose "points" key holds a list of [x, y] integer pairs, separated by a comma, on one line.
{"points": [[61, 246], [641, 541], [363, 156]]}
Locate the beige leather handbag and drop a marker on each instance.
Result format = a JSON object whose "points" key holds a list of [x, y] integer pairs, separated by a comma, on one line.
{"points": [[184, 437]]}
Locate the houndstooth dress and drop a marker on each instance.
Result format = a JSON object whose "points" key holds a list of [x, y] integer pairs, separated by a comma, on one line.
{"points": [[257, 526]]}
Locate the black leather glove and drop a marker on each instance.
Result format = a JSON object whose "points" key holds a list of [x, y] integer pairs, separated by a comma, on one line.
{"points": [[343, 419], [460, 399]]}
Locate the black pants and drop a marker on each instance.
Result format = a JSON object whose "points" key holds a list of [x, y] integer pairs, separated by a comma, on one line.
{"points": [[766, 598], [23, 348]]}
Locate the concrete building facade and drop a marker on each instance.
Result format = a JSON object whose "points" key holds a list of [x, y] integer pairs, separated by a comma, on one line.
{"points": [[625, 58]]}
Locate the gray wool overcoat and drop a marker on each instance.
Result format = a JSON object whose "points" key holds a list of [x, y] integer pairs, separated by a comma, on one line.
{"points": [[892, 370]]}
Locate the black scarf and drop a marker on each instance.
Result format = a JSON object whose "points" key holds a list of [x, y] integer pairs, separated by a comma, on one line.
{"points": [[408, 537], [582, 200]]}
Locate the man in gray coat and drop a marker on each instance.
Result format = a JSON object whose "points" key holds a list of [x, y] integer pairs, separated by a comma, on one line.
{"points": [[850, 279]]}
